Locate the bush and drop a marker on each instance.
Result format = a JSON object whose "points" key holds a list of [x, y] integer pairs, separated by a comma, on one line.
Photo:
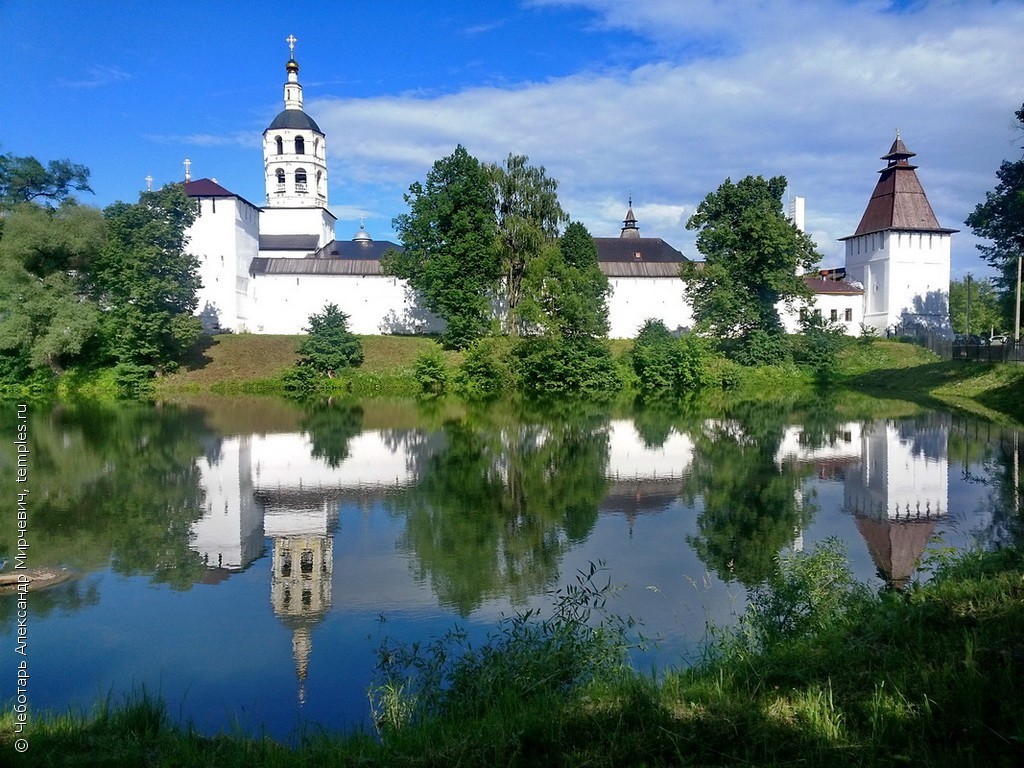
{"points": [[664, 363], [430, 371], [330, 345], [759, 347], [526, 659], [549, 365], [819, 345], [486, 370], [134, 381]]}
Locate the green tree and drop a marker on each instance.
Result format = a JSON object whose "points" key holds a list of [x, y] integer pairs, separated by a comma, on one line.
{"points": [[1000, 219], [26, 180], [450, 246], [752, 255], [566, 293], [528, 217], [46, 321], [330, 345], [146, 282], [987, 312]]}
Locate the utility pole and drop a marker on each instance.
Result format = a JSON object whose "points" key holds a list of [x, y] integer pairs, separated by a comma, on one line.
{"points": [[967, 332], [1016, 322]]}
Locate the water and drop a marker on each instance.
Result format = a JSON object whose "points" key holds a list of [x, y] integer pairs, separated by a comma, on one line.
{"points": [[243, 559]]}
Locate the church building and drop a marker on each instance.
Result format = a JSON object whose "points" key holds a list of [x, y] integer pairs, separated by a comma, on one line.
{"points": [[266, 268]]}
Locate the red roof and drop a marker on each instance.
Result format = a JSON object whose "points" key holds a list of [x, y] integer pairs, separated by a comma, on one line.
{"points": [[836, 287], [899, 201], [206, 188]]}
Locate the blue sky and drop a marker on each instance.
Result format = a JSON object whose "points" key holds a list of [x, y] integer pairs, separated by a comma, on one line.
{"points": [[661, 99]]}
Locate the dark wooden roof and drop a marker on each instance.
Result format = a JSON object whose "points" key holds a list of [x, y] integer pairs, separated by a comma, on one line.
{"points": [[263, 265], [899, 201], [305, 243], [356, 249], [636, 249]]}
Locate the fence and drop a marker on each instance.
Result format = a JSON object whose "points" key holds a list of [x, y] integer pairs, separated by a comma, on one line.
{"points": [[988, 353]]}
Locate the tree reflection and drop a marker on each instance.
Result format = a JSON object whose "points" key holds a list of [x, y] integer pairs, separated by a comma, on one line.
{"points": [[496, 509], [752, 506], [331, 426], [119, 485]]}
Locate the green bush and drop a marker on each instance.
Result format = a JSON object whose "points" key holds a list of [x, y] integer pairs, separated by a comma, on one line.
{"points": [[330, 346], [664, 363], [134, 381], [549, 366], [759, 347], [430, 371], [487, 369]]}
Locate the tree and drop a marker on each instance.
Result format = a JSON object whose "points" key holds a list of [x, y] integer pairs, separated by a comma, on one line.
{"points": [[449, 236], [330, 345], [565, 292], [1001, 219], [26, 180], [146, 282], [46, 320], [753, 253], [986, 309], [528, 218]]}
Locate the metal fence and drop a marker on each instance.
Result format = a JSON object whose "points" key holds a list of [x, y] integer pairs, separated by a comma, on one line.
{"points": [[988, 353]]}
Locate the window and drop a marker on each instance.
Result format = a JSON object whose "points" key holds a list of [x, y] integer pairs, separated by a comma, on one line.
{"points": [[834, 315], [300, 180], [848, 315], [286, 563], [306, 561], [280, 145], [280, 178], [300, 145]]}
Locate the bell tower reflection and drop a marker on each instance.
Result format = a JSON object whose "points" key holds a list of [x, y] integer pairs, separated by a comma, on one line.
{"points": [[302, 567]]}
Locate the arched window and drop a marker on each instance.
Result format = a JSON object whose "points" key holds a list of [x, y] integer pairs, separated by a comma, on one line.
{"points": [[279, 173], [300, 145], [300, 180], [280, 145]]}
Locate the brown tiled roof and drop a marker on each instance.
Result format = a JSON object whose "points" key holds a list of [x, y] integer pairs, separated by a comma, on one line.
{"points": [[833, 287], [899, 201]]}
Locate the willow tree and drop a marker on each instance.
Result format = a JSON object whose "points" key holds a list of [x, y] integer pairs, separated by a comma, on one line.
{"points": [[528, 218]]}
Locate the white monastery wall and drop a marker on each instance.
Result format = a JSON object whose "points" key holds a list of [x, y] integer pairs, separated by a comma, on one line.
{"points": [[635, 299], [225, 239], [375, 304]]}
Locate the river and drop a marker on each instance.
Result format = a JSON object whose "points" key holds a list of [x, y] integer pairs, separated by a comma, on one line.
{"points": [[244, 558]]}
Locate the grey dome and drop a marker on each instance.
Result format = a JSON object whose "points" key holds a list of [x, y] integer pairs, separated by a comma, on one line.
{"points": [[294, 119]]}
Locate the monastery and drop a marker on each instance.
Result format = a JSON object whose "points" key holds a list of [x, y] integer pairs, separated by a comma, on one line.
{"points": [[266, 268]]}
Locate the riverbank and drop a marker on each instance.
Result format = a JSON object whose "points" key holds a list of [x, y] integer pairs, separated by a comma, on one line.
{"points": [[252, 364], [820, 672]]}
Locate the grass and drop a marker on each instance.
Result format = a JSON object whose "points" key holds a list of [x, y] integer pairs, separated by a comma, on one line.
{"points": [[927, 677], [236, 364]]}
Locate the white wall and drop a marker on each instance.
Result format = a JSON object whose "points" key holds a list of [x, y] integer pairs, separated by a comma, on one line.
{"points": [[225, 239], [635, 299], [375, 304]]}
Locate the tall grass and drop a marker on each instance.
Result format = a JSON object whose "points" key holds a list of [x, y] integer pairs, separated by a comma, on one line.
{"points": [[819, 672]]}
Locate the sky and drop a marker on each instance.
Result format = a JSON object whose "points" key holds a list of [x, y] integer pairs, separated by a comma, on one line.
{"points": [[661, 100]]}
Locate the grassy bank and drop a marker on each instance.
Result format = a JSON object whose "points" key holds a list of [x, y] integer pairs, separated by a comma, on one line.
{"points": [[820, 672], [243, 363]]}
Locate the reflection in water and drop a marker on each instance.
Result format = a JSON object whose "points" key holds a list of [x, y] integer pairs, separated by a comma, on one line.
{"points": [[483, 511]]}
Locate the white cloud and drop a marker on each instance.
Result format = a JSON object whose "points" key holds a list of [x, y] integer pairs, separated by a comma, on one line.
{"points": [[812, 91]]}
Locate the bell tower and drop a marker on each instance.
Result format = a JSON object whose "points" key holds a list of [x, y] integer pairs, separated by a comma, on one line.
{"points": [[294, 150]]}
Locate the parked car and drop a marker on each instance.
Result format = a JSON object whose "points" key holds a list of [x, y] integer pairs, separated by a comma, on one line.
{"points": [[999, 339]]}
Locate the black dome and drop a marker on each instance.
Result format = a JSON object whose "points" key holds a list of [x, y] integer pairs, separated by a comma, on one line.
{"points": [[295, 119]]}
